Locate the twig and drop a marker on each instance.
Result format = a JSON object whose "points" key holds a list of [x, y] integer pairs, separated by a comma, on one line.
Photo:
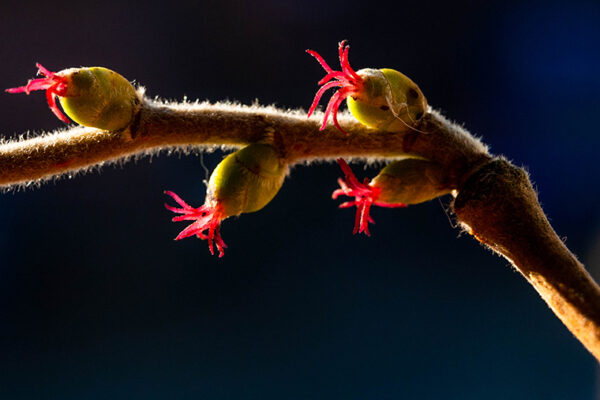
{"points": [[159, 126], [498, 205]]}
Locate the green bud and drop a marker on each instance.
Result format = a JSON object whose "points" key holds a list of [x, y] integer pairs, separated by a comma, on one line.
{"points": [[390, 100], [248, 179], [411, 181], [99, 97]]}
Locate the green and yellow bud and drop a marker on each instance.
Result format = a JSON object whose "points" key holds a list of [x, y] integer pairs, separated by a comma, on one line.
{"points": [[411, 181], [99, 98], [389, 100], [245, 181], [248, 179]]}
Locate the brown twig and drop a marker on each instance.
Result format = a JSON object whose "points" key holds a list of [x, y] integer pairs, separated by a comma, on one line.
{"points": [[498, 205], [495, 200], [159, 126]]}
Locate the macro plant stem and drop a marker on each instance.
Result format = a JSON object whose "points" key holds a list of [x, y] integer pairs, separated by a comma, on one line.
{"points": [[158, 126], [494, 200]]}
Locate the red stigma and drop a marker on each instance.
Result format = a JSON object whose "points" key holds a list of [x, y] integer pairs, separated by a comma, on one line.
{"points": [[207, 222], [364, 195], [347, 81], [53, 84]]}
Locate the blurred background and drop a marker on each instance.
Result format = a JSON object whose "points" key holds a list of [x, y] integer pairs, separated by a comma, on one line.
{"points": [[98, 301]]}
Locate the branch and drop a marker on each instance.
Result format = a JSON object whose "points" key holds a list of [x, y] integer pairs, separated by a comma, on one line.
{"points": [[158, 126], [495, 201], [498, 205]]}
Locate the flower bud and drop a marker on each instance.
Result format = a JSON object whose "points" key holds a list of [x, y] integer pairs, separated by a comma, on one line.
{"points": [[245, 181], [403, 182], [389, 100], [99, 97], [248, 179], [378, 98], [411, 181], [95, 97]]}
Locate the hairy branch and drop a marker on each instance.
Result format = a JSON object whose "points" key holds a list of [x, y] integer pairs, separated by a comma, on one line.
{"points": [[158, 126], [498, 205], [495, 201]]}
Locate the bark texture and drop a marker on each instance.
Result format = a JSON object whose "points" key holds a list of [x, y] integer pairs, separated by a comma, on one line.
{"points": [[498, 205]]}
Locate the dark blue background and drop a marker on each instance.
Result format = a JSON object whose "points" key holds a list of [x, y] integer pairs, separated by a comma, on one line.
{"points": [[97, 301]]}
